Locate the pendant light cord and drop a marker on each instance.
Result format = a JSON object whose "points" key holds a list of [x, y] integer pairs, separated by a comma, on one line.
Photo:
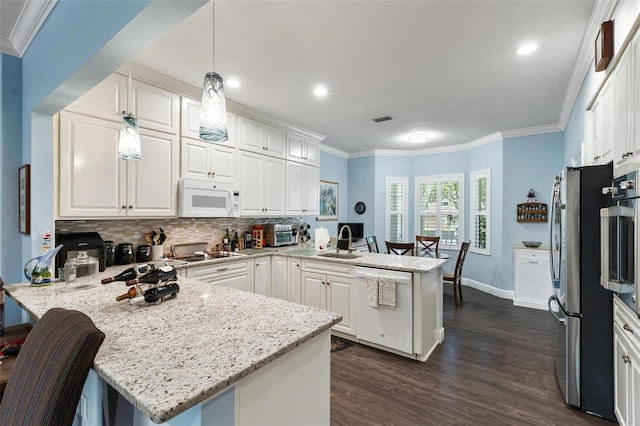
{"points": [[213, 35], [129, 94]]}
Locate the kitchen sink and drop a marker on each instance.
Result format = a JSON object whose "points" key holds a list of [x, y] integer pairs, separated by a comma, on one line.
{"points": [[340, 255]]}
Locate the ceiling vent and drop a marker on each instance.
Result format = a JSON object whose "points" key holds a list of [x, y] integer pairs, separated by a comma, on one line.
{"points": [[381, 119]]}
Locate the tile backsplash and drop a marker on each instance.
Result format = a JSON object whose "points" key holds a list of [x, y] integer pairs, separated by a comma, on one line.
{"points": [[178, 230]]}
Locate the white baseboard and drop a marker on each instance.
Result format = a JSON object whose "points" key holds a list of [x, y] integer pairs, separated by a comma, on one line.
{"points": [[503, 294]]}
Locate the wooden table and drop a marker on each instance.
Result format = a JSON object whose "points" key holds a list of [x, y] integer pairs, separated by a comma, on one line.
{"points": [[6, 365]]}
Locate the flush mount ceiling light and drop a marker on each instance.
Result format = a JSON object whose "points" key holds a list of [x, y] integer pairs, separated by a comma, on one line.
{"points": [[525, 49], [320, 91], [129, 140], [233, 82], [419, 138], [213, 116]]}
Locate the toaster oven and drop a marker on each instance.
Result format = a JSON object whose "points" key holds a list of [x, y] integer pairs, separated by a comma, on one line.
{"points": [[277, 235]]}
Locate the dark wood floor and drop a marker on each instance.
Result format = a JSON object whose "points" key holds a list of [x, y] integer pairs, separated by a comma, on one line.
{"points": [[494, 368]]}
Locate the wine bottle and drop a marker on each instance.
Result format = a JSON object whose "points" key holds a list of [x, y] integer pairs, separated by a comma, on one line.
{"points": [[130, 273], [225, 241], [162, 292], [163, 273], [128, 295]]}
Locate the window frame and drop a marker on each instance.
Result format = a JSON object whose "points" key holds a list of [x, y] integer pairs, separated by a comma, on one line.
{"points": [[438, 179], [475, 177], [404, 180]]}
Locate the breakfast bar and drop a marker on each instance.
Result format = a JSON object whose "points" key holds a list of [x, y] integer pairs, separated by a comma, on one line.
{"points": [[210, 353]]}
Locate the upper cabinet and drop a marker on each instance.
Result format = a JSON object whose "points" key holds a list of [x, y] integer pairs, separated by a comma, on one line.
{"points": [[190, 122], [302, 150], [94, 182], [256, 136], [156, 108], [611, 130]]}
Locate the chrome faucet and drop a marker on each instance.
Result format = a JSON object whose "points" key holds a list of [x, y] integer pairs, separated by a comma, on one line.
{"points": [[349, 249]]}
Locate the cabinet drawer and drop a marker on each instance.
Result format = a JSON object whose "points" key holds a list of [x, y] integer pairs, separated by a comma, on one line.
{"points": [[327, 268], [218, 269], [540, 256], [627, 321]]}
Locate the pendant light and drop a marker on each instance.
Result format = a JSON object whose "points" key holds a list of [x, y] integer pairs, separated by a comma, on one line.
{"points": [[213, 115], [129, 142]]}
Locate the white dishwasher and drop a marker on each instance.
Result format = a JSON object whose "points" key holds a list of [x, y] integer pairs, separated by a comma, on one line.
{"points": [[392, 328]]}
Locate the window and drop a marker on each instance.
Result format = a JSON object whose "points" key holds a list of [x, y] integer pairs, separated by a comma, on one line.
{"points": [[440, 208], [480, 201], [397, 188]]}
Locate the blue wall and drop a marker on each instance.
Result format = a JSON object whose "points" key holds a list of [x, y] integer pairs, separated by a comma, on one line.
{"points": [[362, 188], [530, 162], [334, 169]]}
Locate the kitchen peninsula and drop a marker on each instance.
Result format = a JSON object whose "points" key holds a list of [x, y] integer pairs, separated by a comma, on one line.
{"points": [[255, 359], [213, 353]]}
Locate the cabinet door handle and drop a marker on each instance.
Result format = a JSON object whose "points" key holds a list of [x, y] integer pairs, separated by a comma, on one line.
{"points": [[221, 269], [533, 261], [130, 206], [628, 328], [626, 359], [123, 206]]}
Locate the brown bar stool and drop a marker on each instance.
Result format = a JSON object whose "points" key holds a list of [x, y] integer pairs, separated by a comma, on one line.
{"points": [[426, 244], [372, 244], [457, 273], [400, 248]]}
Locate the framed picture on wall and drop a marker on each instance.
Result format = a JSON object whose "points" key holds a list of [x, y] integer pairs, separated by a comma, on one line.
{"points": [[24, 199], [328, 203]]}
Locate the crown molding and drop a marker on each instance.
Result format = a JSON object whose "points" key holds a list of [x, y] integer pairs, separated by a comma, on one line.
{"points": [[337, 152], [602, 11], [31, 18], [535, 130]]}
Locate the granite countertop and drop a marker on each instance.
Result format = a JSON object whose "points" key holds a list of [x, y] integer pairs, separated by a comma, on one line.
{"points": [[371, 260], [166, 358]]}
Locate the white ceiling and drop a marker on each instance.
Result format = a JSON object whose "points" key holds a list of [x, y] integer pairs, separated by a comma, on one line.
{"points": [[447, 68]]}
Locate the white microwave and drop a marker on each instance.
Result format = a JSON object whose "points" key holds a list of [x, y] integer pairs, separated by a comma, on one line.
{"points": [[207, 199]]}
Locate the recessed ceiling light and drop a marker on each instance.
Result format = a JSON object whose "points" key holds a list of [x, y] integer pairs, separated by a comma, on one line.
{"points": [[233, 82], [525, 49], [419, 138], [320, 91]]}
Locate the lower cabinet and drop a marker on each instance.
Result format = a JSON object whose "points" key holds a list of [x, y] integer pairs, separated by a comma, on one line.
{"points": [[238, 274], [626, 361], [330, 286], [262, 276], [532, 286], [294, 279], [279, 288]]}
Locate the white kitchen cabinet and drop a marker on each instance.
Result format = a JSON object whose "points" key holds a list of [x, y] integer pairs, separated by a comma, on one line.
{"points": [[236, 274], [302, 189], [532, 286], [294, 279], [302, 150], [626, 353], [261, 138], [330, 286], [263, 182], [190, 122], [600, 127], [279, 288], [623, 150], [213, 162], [93, 182], [262, 276], [156, 108]]}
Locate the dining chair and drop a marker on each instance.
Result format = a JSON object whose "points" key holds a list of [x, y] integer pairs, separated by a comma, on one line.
{"points": [[400, 248], [456, 278], [51, 368], [372, 244], [426, 244]]}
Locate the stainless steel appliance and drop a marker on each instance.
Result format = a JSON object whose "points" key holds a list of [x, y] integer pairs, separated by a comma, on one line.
{"points": [[278, 235], [583, 309], [619, 240], [75, 242], [206, 199]]}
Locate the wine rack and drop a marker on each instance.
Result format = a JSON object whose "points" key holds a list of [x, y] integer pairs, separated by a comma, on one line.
{"points": [[532, 212]]}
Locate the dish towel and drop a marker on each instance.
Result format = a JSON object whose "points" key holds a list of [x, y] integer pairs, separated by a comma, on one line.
{"points": [[372, 290], [387, 292]]}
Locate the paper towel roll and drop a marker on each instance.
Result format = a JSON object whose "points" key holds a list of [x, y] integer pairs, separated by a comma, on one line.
{"points": [[321, 238]]}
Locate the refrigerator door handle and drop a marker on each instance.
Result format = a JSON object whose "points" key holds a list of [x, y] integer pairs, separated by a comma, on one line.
{"points": [[568, 314], [551, 299]]}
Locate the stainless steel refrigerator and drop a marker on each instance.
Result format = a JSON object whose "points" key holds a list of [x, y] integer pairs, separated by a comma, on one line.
{"points": [[582, 308]]}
